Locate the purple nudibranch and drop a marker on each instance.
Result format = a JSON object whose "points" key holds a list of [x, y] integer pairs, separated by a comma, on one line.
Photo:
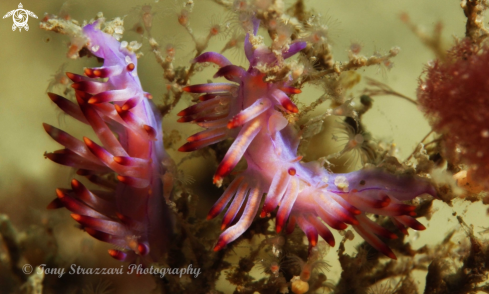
{"points": [[250, 109], [131, 213]]}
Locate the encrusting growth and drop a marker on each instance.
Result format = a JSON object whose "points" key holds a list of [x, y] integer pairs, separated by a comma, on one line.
{"points": [[454, 96]]}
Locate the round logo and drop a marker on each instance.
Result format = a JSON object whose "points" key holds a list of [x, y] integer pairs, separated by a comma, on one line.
{"points": [[20, 17], [27, 269]]}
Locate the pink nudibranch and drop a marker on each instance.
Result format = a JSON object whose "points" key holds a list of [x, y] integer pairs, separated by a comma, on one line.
{"points": [[305, 193], [132, 213]]}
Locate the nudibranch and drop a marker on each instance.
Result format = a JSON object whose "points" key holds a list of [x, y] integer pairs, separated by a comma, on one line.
{"points": [[250, 110], [131, 213]]}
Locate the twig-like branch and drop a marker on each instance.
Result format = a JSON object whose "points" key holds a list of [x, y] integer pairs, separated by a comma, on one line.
{"points": [[314, 104], [422, 140], [166, 62], [434, 42], [223, 3], [382, 89], [356, 62], [10, 238], [33, 285], [474, 11], [432, 142]]}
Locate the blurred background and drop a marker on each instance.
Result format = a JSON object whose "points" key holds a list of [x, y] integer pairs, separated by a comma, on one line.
{"points": [[31, 59]]}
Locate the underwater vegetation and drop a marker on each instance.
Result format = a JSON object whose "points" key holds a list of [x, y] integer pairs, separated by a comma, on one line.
{"points": [[130, 190], [454, 97]]}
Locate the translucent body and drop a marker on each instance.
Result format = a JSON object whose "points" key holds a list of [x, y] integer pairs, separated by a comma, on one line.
{"points": [[305, 193], [132, 214]]}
